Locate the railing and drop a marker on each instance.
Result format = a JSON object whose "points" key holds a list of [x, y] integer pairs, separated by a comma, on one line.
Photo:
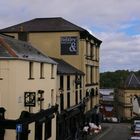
{"points": [[21, 124]]}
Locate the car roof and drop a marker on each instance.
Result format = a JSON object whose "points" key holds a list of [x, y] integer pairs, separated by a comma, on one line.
{"points": [[134, 138]]}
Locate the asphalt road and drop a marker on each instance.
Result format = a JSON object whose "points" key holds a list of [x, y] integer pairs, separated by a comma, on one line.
{"points": [[114, 131]]}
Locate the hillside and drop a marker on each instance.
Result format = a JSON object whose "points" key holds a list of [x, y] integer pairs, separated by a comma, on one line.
{"points": [[114, 79]]}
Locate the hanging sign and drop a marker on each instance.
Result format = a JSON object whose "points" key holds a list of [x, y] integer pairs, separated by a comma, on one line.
{"points": [[29, 99]]}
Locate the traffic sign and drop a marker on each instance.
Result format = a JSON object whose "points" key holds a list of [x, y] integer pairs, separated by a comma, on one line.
{"points": [[19, 128]]}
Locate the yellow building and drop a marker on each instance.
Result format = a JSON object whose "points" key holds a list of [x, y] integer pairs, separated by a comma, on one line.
{"points": [[125, 96], [27, 84], [64, 40], [69, 98]]}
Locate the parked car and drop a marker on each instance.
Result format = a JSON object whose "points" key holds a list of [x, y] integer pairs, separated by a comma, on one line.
{"points": [[136, 131], [134, 138], [135, 123], [111, 119], [114, 119]]}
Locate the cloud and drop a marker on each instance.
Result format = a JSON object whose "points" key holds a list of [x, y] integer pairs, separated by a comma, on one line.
{"points": [[115, 22], [119, 51], [109, 13]]}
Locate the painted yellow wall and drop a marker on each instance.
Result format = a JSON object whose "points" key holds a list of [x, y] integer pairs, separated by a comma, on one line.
{"points": [[15, 82], [65, 91], [49, 43], [125, 97]]}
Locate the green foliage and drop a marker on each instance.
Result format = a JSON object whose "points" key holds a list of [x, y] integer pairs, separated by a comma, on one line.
{"points": [[114, 79]]}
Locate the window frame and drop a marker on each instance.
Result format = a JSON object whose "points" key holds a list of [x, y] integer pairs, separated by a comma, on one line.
{"points": [[31, 70], [42, 67]]}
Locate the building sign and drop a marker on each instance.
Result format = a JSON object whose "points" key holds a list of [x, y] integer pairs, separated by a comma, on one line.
{"points": [[29, 99], [69, 45]]}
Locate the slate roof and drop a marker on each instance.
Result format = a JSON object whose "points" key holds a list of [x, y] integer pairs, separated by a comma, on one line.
{"points": [[56, 24], [44, 24], [11, 48], [132, 81], [66, 68]]}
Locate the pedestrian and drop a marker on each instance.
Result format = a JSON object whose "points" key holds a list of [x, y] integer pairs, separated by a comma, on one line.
{"points": [[85, 132]]}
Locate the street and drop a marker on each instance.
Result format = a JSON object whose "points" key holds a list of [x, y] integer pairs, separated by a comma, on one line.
{"points": [[114, 131]]}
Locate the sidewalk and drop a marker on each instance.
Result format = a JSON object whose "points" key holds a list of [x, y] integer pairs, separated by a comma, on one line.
{"points": [[92, 137]]}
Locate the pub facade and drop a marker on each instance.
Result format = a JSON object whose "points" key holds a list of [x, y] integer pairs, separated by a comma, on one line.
{"points": [[64, 40]]}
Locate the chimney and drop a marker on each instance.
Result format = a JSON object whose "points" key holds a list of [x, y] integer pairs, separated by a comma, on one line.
{"points": [[21, 28]]}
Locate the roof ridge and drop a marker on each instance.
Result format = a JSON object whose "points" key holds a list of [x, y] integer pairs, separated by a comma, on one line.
{"points": [[130, 80], [35, 19], [133, 76], [137, 79], [46, 18]]}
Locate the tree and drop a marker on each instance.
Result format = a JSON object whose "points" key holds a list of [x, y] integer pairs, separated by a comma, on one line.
{"points": [[114, 79]]}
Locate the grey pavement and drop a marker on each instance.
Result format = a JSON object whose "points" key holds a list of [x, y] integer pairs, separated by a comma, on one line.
{"points": [[105, 129]]}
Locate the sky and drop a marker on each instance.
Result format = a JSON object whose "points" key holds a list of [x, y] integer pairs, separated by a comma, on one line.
{"points": [[115, 22]]}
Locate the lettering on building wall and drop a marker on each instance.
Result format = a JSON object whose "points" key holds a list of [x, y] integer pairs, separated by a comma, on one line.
{"points": [[69, 45]]}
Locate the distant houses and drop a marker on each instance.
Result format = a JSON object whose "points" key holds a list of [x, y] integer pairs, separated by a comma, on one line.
{"points": [[107, 105], [126, 102]]}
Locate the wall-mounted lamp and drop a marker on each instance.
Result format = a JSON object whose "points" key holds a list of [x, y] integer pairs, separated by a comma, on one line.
{"points": [[40, 95], [61, 91], [40, 98]]}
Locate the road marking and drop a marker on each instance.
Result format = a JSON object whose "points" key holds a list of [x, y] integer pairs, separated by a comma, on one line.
{"points": [[104, 133]]}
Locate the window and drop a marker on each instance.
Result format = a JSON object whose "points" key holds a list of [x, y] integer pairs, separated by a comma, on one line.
{"points": [[41, 70], [68, 82], [61, 82], [1, 72], [52, 97], [61, 102], [80, 94], [96, 53], [81, 81], [87, 93], [87, 74], [52, 71], [68, 99], [76, 97], [96, 91], [92, 92], [91, 74], [91, 51], [31, 70]]}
